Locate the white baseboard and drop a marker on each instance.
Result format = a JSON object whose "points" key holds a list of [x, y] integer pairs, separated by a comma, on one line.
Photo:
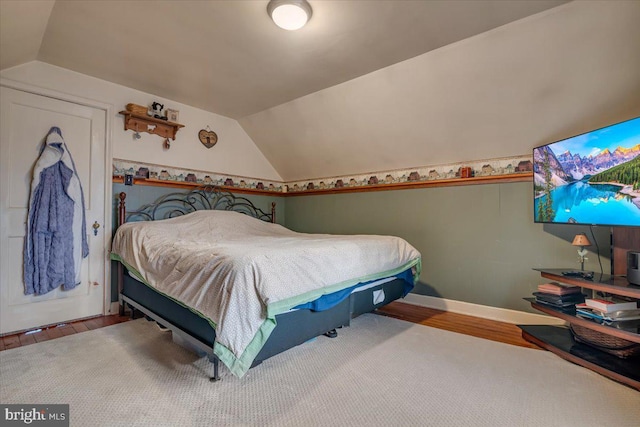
{"points": [[114, 308], [483, 311]]}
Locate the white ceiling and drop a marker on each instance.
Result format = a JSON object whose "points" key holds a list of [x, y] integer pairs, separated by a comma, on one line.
{"points": [[367, 85], [550, 76], [227, 57]]}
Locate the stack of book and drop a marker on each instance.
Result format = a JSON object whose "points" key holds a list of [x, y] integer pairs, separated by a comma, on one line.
{"points": [[558, 295], [613, 310]]}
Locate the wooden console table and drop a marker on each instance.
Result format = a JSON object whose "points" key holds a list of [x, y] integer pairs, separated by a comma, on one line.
{"points": [[558, 339]]}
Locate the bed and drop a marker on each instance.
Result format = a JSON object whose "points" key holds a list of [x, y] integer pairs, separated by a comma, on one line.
{"points": [[226, 279]]}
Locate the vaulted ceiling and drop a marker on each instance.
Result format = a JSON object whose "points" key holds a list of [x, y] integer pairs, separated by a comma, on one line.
{"points": [[366, 85], [227, 57]]}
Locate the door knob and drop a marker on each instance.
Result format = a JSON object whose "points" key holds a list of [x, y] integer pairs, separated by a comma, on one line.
{"points": [[95, 228]]}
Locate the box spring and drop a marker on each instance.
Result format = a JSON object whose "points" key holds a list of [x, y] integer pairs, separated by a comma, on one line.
{"points": [[293, 328]]}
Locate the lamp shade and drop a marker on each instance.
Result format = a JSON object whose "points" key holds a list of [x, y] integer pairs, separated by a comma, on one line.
{"points": [[581, 240], [289, 14]]}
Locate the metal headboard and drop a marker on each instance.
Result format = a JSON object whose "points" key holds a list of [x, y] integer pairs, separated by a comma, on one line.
{"points": [[207, 197]]}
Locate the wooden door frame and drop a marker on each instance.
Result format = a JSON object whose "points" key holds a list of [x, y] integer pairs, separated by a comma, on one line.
{"points": [[108, 166]]}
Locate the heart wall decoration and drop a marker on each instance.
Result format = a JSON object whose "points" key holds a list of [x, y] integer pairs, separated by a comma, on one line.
{"points": [[208, 137]]}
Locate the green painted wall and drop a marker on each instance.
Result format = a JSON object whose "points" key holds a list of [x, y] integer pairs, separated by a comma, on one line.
{"points": [[479, 242]]}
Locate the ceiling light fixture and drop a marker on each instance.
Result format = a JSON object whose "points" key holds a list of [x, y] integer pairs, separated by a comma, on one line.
{"points": [[289, 14]]}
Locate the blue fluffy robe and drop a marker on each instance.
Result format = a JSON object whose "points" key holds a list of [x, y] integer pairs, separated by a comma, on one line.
{"points": [[49, 249]]}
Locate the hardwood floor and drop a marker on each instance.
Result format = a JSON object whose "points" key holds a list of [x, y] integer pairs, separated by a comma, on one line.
{"points": [[57, 331], [454, 322], [460, 323]]}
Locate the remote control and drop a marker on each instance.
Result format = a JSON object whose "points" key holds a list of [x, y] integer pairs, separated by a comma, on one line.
{"points": [[584, 274], [572, 273]]}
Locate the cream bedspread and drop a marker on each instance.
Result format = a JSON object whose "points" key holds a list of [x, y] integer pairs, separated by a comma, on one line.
{"points": [[239, 272]]}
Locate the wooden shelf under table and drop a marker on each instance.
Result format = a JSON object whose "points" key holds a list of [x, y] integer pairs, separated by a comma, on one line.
{"points": [[558, 340], [616, 285], [629, 331]]}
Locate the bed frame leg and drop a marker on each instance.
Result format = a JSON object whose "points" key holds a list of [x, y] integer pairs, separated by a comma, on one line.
{"points": [[133, 312], [331, 334], [216, 376], [121, 309]]}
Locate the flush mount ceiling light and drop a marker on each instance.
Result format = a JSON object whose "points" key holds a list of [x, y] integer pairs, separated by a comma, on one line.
{"points": [[289, 14]]}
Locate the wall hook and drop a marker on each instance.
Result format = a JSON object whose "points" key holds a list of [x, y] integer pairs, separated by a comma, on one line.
{"points": [[137, 135]]}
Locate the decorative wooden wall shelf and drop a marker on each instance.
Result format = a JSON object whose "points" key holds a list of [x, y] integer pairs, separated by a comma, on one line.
{"points": [[144, 123]]}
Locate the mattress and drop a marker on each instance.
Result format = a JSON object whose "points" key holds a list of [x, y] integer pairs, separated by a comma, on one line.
{"points": [[241, 272]]}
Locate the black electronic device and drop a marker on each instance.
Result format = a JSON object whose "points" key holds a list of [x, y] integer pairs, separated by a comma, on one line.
{"points": [[588, 275], [633, 267], [589, 178]]}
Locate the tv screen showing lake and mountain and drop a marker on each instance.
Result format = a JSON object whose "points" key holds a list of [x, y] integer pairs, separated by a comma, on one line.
{"points": [[593, 178]]}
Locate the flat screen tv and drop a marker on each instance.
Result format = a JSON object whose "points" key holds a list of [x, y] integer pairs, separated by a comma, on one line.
{"points": [[592, 178]]}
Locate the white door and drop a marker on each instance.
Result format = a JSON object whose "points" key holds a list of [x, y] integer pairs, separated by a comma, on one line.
{"points": [[25, 120]]}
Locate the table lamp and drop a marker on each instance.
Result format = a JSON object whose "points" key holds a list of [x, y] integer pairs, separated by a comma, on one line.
{"points": [[582, 241]]}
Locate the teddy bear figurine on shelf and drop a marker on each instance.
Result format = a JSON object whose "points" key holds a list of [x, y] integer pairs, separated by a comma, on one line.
{"points": [[157, 111]]}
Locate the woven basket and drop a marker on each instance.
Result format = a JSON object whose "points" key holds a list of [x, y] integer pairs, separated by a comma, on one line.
{"points": [[613, 345], [137, 109]]}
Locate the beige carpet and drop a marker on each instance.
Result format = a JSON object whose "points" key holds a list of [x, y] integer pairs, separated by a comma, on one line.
{"points": [[380, 371]]}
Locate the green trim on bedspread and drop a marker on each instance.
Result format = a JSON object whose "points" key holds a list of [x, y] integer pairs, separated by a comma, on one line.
{"points": [[287, 304], [116, 257], [240, 365]]}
